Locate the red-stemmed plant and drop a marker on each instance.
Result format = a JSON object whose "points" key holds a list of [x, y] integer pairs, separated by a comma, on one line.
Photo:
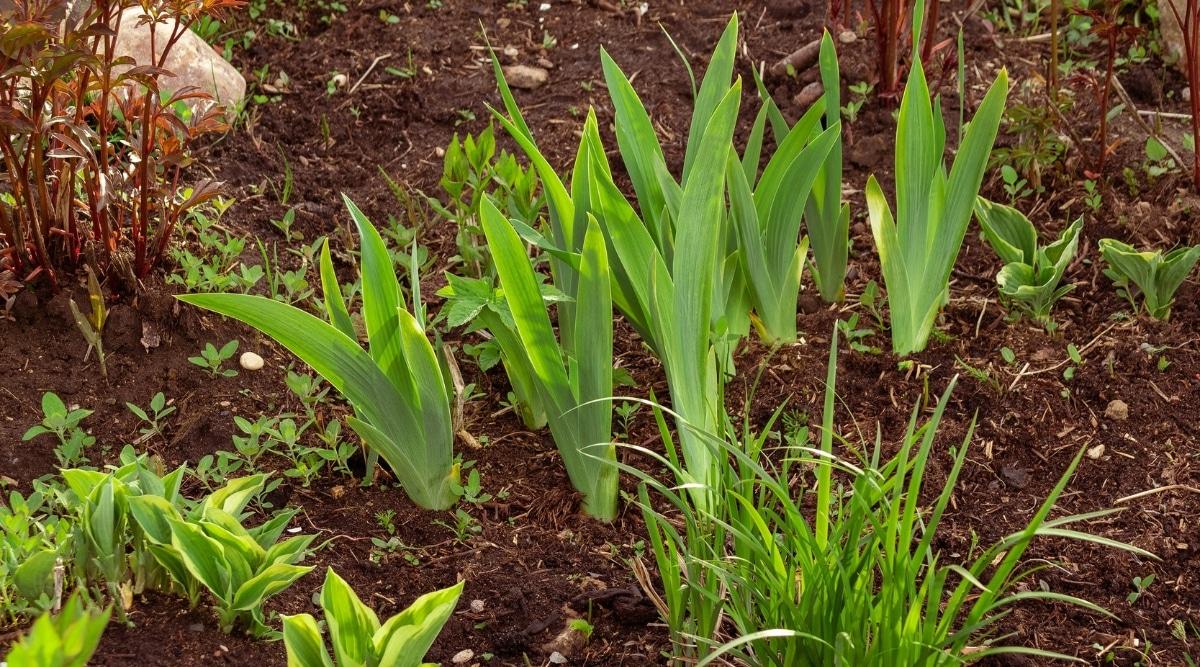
{"points": [[1107, 24], [1189, 23], [93, 149]]}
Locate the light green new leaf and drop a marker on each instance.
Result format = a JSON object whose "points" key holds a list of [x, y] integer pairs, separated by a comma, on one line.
{"points": [[917, 250], [1008, 231], [406, 637], [351, 623], [305, 647]]}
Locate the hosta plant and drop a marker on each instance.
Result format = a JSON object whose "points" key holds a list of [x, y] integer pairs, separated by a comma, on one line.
{"points": [[398, 389], [1032, 272], [358, 638], [209, 547], [574, 383], [66, 639], [918, 247], [1157, 275], [109, 549], [847, 570]]}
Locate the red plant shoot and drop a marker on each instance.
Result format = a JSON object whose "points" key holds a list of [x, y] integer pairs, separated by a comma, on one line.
{"points": [[1189, 23], [93, 150]]}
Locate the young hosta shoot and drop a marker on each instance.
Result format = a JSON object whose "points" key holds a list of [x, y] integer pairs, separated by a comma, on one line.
{"points": [[66, 639], [398, 389], [109, 545], [1156, 274], [1032, 272], [241, 567], [575, 384], [918, 248], [358, 638]]}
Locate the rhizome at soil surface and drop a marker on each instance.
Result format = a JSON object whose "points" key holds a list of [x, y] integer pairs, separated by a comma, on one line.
{"points": [[536, 561]]}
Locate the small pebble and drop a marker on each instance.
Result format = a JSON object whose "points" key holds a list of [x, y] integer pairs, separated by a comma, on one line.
{"points": [[1117, 410], [463, 657], [525, 77], [557, 658], [1186, 94], [847, 37], [477, 606], [1096, 452], [1016, 476], [251, 361]]}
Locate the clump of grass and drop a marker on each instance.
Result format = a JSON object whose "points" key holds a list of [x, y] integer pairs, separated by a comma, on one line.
{"points": [[846, 574]]}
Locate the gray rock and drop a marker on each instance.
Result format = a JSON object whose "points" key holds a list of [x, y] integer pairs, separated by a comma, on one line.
{"points": [[1172, 33], [192, 61]]}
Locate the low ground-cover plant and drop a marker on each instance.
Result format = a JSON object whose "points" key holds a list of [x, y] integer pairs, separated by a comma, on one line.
{"points": [[574, 383], [93, 149], [918, 247], [753, 578], [66, 639], [475, 304], [1032, 272], [472, 170], [358, 638], [1155, 274], [63, 423], [31, 541], [398, 388]]}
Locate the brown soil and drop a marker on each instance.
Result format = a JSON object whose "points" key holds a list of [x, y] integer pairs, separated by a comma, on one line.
{"points": [[537, 560]]}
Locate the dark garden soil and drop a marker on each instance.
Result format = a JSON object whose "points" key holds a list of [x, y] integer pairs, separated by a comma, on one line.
{"points": [[537, 562]]}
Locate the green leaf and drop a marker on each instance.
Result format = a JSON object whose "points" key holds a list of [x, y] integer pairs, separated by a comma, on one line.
{"points": [[154, 515], [352, 624], [406, 637], [335, 306], [34, 576], [202, 556], [302, 638], [273, 579], [1007, 231]]}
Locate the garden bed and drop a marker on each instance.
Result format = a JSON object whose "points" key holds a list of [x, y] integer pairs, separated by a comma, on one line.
{"points": [[410, 84]]}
